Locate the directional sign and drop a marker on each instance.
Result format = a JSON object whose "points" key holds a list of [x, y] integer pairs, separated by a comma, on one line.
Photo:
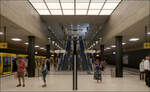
{"points": [[3, 45], [147, 45]]}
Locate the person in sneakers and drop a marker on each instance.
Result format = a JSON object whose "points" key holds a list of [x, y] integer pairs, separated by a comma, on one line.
{"points": [[20, 71]]}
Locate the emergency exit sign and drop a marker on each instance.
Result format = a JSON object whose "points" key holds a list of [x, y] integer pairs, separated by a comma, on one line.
{"points": [[3, 45], [147, 45]]}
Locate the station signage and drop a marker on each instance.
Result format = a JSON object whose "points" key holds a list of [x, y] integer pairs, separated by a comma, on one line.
{"points": [[3, 45], [147, 45]]}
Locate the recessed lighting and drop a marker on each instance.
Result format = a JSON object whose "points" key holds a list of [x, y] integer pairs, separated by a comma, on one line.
{"points": [[36, 46], [148, 33], [42, 48], [1, 33], [16, 39], [108, 48], [113, 46], [123, 43], [26, 43], [134, 39]]}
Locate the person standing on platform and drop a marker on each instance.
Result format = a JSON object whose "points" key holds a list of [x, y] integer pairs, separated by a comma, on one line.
{"points": [[20, 71], [98, 71], [141, 67], [44, 72], [147, 70]]}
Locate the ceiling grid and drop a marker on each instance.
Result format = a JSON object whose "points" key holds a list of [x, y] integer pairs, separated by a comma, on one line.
{"points": [[75, 7]]}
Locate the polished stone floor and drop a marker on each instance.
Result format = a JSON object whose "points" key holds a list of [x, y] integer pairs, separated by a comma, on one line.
{"points": [[62, 81]]}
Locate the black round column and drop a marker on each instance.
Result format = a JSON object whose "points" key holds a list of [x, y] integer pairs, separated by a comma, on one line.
{"points": [[31, 57], [119, 55]]}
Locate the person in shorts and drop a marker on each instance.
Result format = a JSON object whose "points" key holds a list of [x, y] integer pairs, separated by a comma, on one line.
{"points": [[20, 71]]}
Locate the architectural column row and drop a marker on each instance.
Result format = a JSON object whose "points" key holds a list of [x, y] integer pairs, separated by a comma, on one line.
{"points": [[118, 56], [31, 55]]}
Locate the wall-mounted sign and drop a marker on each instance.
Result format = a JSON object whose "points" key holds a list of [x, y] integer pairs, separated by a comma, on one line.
{"points": [[3, 45], [147, 45]]}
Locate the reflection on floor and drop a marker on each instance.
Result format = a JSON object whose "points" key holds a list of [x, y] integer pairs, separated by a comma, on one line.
{"points": [[62, 81]]}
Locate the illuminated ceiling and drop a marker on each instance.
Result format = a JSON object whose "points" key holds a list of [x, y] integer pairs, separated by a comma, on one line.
{"points": [[75, 7]]}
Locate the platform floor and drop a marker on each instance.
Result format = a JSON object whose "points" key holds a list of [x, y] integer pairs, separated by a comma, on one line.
{"points": [[62, 81]]}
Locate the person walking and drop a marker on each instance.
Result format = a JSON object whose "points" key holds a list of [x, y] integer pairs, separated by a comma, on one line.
{"points": [[141, 67], [44, 72], [20, 71], [98, 71]]}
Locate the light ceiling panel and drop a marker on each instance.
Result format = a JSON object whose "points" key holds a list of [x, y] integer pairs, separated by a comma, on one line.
{"points": [[43, 12], [68, 12], [93, 12], [106, 12], [81, 12], [110, 5], [96, 5], [67, 1], [82, 6], [39, 5], [82, 1], [113, 1], [53, 5], [36, 1], [67, 5], [52, 1], [56, 12], [98, 1]]}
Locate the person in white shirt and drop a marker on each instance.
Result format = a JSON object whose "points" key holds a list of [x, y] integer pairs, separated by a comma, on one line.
{"points": [[141, 67], [146, 70]]}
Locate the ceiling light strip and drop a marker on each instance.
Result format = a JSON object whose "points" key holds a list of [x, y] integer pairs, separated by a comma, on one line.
{"points": [[88, 7], [47, 6], [116, 7], [102, 7], [61, 7]]}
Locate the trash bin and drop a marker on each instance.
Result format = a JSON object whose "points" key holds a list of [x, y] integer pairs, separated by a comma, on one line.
{"points": [[113, 72]]}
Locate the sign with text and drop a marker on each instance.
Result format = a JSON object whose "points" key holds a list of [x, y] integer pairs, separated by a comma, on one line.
{"points": [[3, 45], [147, 45]]}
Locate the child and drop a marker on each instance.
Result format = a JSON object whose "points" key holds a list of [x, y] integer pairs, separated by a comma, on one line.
{"points": [[97, 73]]}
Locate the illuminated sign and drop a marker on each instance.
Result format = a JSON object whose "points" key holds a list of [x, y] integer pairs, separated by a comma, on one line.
{"points": [[147, 45], [3, 45]]}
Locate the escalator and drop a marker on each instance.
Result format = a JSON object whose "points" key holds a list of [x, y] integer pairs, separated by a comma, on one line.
{"points": [[85, 63], [66, 58]]}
